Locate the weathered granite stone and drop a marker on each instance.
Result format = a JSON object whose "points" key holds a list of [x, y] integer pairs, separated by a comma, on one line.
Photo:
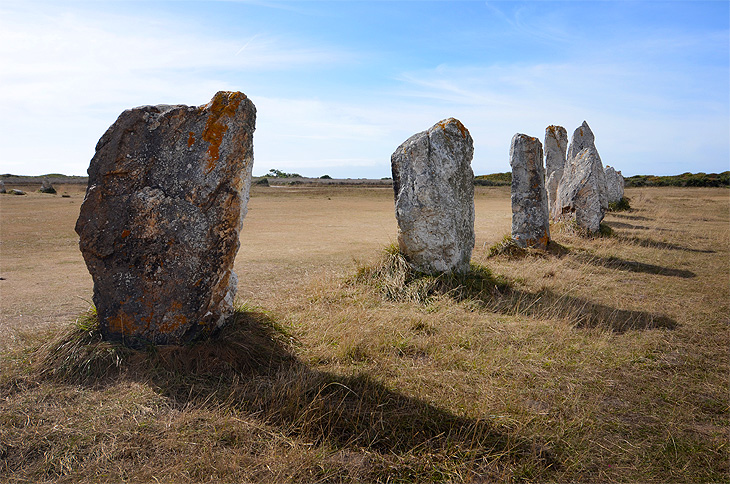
{"points": [[46, 187], [159, 226], [530, 221], [2, 187], [580, 192], [434, 198], [582, 139], [556, 144], [15, 191], [614, 185]]}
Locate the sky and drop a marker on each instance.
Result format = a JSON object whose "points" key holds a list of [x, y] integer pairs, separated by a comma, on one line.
{"points": [[338, 86]]}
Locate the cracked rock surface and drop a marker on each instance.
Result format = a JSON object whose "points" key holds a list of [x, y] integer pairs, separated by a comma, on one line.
{"points": [[556, 145], [159, 226], [581, 195], [434, 198], [614, 185], [530, 220]]}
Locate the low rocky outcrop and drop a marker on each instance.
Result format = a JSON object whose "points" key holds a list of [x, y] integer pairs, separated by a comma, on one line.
{"points": [[556, 145], [434, 198], [530, 220], [159, 226]]}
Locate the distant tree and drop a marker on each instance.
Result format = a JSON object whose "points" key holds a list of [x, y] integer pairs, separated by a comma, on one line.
{"points": [[325, 177], [274, 173]]}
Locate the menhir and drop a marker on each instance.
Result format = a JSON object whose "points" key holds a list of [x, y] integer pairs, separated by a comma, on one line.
{"points": [[159, 226]]}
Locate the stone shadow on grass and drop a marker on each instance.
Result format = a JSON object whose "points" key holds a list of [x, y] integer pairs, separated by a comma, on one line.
{"points": [[395, 280], [628, 216], [581, 312], [251, 366], [634, 266], [650, 243], [623, 225]]}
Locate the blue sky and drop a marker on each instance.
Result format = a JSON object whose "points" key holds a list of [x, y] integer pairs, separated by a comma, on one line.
{"points": [[339, 85]]}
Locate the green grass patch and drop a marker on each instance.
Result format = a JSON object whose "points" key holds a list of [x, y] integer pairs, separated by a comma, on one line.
{"points": [[620, 206]]}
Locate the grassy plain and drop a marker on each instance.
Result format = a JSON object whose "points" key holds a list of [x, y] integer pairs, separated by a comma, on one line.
{"points": [[604, 360]]}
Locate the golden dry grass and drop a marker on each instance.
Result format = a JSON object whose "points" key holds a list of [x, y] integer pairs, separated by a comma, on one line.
{"points": [[605, 360]]}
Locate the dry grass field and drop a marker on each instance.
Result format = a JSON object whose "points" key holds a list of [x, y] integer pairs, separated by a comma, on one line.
{"points": [[604, 360]]}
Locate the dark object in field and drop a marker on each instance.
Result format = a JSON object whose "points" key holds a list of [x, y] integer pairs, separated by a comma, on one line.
{"points": [[46, 187], [159, 226]]}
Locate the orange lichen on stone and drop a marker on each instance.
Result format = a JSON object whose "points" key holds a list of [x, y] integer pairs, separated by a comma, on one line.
{"points": [[223, 105], [458, 123], [122, 323], [125, 234], [191, 139], [175, 322]]}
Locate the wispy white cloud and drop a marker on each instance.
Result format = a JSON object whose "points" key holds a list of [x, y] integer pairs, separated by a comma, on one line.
{"points": [[66, 76], [656, 100], [640, 113]]}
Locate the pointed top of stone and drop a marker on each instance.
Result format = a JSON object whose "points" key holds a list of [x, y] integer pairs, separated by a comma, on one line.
{"points": [[582, 138]]}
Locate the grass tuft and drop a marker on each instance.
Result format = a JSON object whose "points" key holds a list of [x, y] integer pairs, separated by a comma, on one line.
{"points": [[620, 206], [507, 246], [393, 276], [79, 354]]}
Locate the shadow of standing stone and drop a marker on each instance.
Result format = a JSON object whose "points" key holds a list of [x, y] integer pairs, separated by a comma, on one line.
{"points": [[159, 226]]}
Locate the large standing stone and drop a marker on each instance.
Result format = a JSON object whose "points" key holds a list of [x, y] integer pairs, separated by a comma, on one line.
{"points": [[579, 194], [434, 198], [556, 144], [582, 139], [2, 187], [159, 226], [614, 185], [530, 221]]}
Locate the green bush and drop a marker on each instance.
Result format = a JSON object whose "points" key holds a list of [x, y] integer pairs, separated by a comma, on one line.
{"points": [[494, 180], [684, 180]]}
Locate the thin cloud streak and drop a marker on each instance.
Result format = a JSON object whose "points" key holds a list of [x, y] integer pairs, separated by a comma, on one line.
{"points": [[656, 98]]}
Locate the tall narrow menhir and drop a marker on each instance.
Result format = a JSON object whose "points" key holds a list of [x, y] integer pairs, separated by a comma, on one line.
{"points": [[433, 185], [530, 220], [556, 144], [159, 226]]}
